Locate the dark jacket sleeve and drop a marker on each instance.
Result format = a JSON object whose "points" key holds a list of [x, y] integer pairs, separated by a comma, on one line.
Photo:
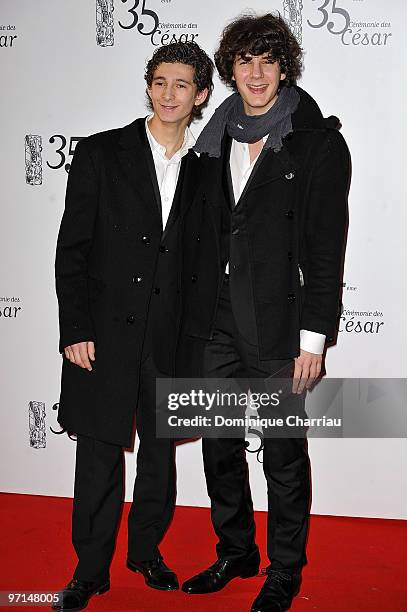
{"points": [[326, 226], [73, 246]]}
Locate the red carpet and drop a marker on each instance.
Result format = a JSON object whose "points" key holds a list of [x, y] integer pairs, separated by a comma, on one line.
{"points": [[354, 565]]}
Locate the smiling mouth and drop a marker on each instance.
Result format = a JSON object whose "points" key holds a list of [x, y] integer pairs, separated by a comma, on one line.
{"points": [[168, 108], [257, 89]]}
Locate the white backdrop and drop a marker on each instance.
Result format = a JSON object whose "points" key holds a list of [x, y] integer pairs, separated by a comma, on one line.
{"points": [[71, 69]]}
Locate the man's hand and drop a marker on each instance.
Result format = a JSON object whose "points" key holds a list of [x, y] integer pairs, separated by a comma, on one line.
{"points": [[307, 369], [81, 353]]}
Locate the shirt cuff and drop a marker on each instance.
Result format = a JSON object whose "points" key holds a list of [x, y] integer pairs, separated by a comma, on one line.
{"points": [[312, 342]]}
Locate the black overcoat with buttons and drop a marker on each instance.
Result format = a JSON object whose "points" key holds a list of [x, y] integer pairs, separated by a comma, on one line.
{"points": [[285, 238], [111, 253]]}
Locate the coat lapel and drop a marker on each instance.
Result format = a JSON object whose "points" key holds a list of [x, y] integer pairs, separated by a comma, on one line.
{"points": [[188, 182], [176, 203], [186, 190], [227, 174], [138, 165], [268, 167], [256, 166], [153, 175], [228, 183]]}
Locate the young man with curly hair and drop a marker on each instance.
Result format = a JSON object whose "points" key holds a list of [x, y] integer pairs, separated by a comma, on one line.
{"points": [[273, 236], [118, 267]]}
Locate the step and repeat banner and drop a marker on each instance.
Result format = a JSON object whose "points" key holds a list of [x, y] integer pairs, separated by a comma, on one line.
{"points": [[69, 69]]}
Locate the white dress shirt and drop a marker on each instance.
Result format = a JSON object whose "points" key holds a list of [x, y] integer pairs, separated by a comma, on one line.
{"points": [[241, 169], [240, 166], [167, 170]]}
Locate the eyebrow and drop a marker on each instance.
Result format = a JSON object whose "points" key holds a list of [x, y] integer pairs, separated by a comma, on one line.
{"points": [[244, 55], [162, 78]]}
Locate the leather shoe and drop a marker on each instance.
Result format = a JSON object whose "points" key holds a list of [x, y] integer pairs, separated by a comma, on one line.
{"points": [[77, 593], [277, 592], [221, 572], [156, 574]]}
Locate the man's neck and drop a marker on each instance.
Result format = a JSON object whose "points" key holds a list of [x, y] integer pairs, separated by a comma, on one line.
{"points": [[169, 135]]}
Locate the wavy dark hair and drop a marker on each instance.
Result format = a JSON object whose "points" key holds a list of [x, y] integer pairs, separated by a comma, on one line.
{"points": [[256, 35], [188, 53]]}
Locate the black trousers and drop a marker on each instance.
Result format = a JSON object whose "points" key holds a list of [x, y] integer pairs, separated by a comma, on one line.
{"points": [[99, 486], [285, 460]]}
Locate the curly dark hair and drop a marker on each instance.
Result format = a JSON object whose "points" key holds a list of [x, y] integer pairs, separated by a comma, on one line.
{"points": [[188, 53], [256, 35]]}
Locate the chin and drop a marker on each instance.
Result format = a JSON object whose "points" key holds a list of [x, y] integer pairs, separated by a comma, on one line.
{"points": [[257, 103], [167, 118]]}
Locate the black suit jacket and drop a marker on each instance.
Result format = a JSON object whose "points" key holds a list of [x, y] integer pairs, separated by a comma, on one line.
{"points": [[294, 215], [109, 250]]}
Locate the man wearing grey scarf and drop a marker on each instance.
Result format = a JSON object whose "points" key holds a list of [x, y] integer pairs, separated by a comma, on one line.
{"points": [[231, 115], [265, 289]]}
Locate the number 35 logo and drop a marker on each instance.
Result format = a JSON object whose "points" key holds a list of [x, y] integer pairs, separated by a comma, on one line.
{"points": [[343, 18], [61, 150], [33, 155], [141, 27]]}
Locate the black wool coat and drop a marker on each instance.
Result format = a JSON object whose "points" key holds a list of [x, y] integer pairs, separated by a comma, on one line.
{"points": [[109, 243], [295, 215]]}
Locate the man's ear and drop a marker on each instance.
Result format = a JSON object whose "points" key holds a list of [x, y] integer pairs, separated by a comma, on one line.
{"points": [[148, 92], [201, 97]]}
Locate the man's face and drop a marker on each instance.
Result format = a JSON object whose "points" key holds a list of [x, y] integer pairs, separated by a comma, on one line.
{"points": [[173, 92], [257, 80]]}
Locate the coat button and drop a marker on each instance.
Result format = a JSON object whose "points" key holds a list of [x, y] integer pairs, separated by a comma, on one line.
{"points": [[137, 279], [291, 297], [235, 231], [130, 319], [289, 176], [157, 290], [198, 238], [145, 240], [289, 214], [115, 227], [75, 325], [163, 249], [194, 278]]}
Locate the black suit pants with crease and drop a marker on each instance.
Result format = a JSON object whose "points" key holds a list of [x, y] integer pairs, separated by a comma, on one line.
{"points": [[99, 488], [285, 460]]}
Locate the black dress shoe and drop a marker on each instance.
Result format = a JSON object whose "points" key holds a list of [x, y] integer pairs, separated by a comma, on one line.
{"points": [[220, 573], [157, 575], [77, 593], [278, 592]]}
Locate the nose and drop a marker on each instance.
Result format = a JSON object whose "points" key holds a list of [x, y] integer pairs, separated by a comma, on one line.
{"points": [[257, 69], [168, 93]]}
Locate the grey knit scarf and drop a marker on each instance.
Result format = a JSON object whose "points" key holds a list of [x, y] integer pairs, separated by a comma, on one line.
{"points": [[276, 122]]}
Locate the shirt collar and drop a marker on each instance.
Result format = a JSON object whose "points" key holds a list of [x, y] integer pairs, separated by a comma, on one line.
{"points": [[189, 142], [245, 145]]}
